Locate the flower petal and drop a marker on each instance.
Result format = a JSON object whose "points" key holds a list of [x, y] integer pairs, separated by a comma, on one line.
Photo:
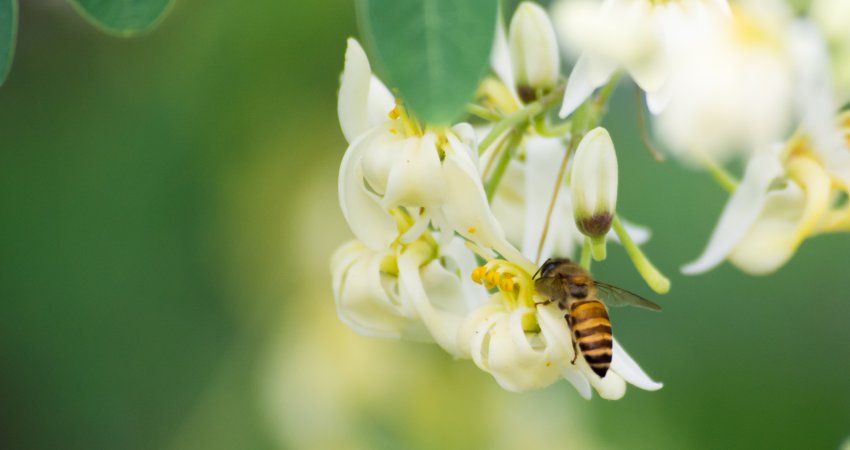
{"points": [[627, 368], [416, 177], [365, 297], [585, 77], [789, 216], [368, 220], [540, 176], [740, 212], [435, 294], [361, 96], [467, 211]]}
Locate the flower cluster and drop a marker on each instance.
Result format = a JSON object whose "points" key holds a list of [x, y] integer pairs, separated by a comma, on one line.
{"points": [[452, 222]]}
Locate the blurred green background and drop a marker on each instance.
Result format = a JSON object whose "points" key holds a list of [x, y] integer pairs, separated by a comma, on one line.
{"points": [[168, 211]]}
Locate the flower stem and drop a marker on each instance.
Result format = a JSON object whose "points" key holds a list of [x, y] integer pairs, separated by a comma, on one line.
{"points": [[484, 113], [504, 159], [655, 279], [585, 254], [597, 247], [515, 119], [720, 175]]}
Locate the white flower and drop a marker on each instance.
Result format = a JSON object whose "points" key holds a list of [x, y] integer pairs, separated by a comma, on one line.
{"points": [[594, 183], [393, 170], [732, 84], [522, 200], [526, 346], [638, 35], [533, 50], [782, 199], [405, 292], [832, 16]]}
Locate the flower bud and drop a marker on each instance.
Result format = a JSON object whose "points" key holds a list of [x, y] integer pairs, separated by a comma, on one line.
{"points": [[594, 183], [534, 51]]}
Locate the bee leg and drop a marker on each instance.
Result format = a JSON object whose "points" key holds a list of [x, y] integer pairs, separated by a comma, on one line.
{"points": [[544, 303], [572, 337]]}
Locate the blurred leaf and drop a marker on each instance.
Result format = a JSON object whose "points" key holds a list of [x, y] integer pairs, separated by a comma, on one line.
{"points": [[123, 17], [8, 33], [433, 51]]}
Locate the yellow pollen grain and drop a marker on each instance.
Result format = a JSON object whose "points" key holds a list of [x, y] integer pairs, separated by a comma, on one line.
{"points": [[471, 230], [393, 131], [395, 113], [478, 274], [507, 283]]}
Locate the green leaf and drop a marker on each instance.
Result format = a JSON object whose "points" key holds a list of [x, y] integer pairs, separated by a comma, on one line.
{"points": [[8, 34], [434, 52], [123, 17]]}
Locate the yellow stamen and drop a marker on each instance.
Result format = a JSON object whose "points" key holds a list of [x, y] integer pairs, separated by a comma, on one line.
{"points": [[395, 113], [471, 230], [478, 274]]}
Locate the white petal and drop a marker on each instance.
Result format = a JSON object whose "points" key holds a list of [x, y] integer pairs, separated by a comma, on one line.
{"points": [[578, 380], [467, 211], [541, 172], [436, 295], [657, 101], [416, 178], [627, 368], [365, 297], [594, 175], [360, 96], [585, 77], [789, 216], [362, 210], [740, 212], [533, 47]]}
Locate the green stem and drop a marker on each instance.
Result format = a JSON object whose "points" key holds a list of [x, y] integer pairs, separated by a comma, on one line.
{"points": [[484, 113], [545, 129], [509, 122], [525, 114], [585, 254], [597, 246], [725, 179], [653, 277], [504, 159]]}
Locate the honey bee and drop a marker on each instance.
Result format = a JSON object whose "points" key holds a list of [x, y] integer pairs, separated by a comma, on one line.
{"points": [[580, 296]]}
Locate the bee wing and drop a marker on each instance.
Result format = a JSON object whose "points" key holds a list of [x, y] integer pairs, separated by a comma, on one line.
{"points": [[614, 296]]}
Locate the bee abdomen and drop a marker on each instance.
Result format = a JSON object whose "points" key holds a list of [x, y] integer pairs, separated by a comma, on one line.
{"points": [[592, 333]]}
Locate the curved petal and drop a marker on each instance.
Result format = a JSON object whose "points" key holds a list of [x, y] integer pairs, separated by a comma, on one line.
{"points": [[627, 368], [368, 220], [363, 299], [359, 95], [467, 211], [741, 211], [789, 216], [416, 177], [516, 359], [541, 173], [426, 288], [578, 380], [581, 84]]}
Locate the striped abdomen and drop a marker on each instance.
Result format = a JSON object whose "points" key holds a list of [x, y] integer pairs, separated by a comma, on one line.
{"points": [[592, 332]]}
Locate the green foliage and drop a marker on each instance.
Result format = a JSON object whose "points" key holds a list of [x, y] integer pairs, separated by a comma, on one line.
{"points": [[8, 30], [433, 52], [123, 17]]}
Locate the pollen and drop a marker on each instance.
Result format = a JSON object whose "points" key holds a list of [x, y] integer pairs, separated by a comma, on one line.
{"points": [[492, 279], [395, 113], [478, 274], [471, 230], [393, 131], [507, 284]]}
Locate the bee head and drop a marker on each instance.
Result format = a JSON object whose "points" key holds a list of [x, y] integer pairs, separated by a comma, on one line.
{"points": [[550, 265]]}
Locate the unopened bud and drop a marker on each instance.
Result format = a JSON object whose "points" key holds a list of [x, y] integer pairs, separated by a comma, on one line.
{"points": [[594, 183], [534, 51]]}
